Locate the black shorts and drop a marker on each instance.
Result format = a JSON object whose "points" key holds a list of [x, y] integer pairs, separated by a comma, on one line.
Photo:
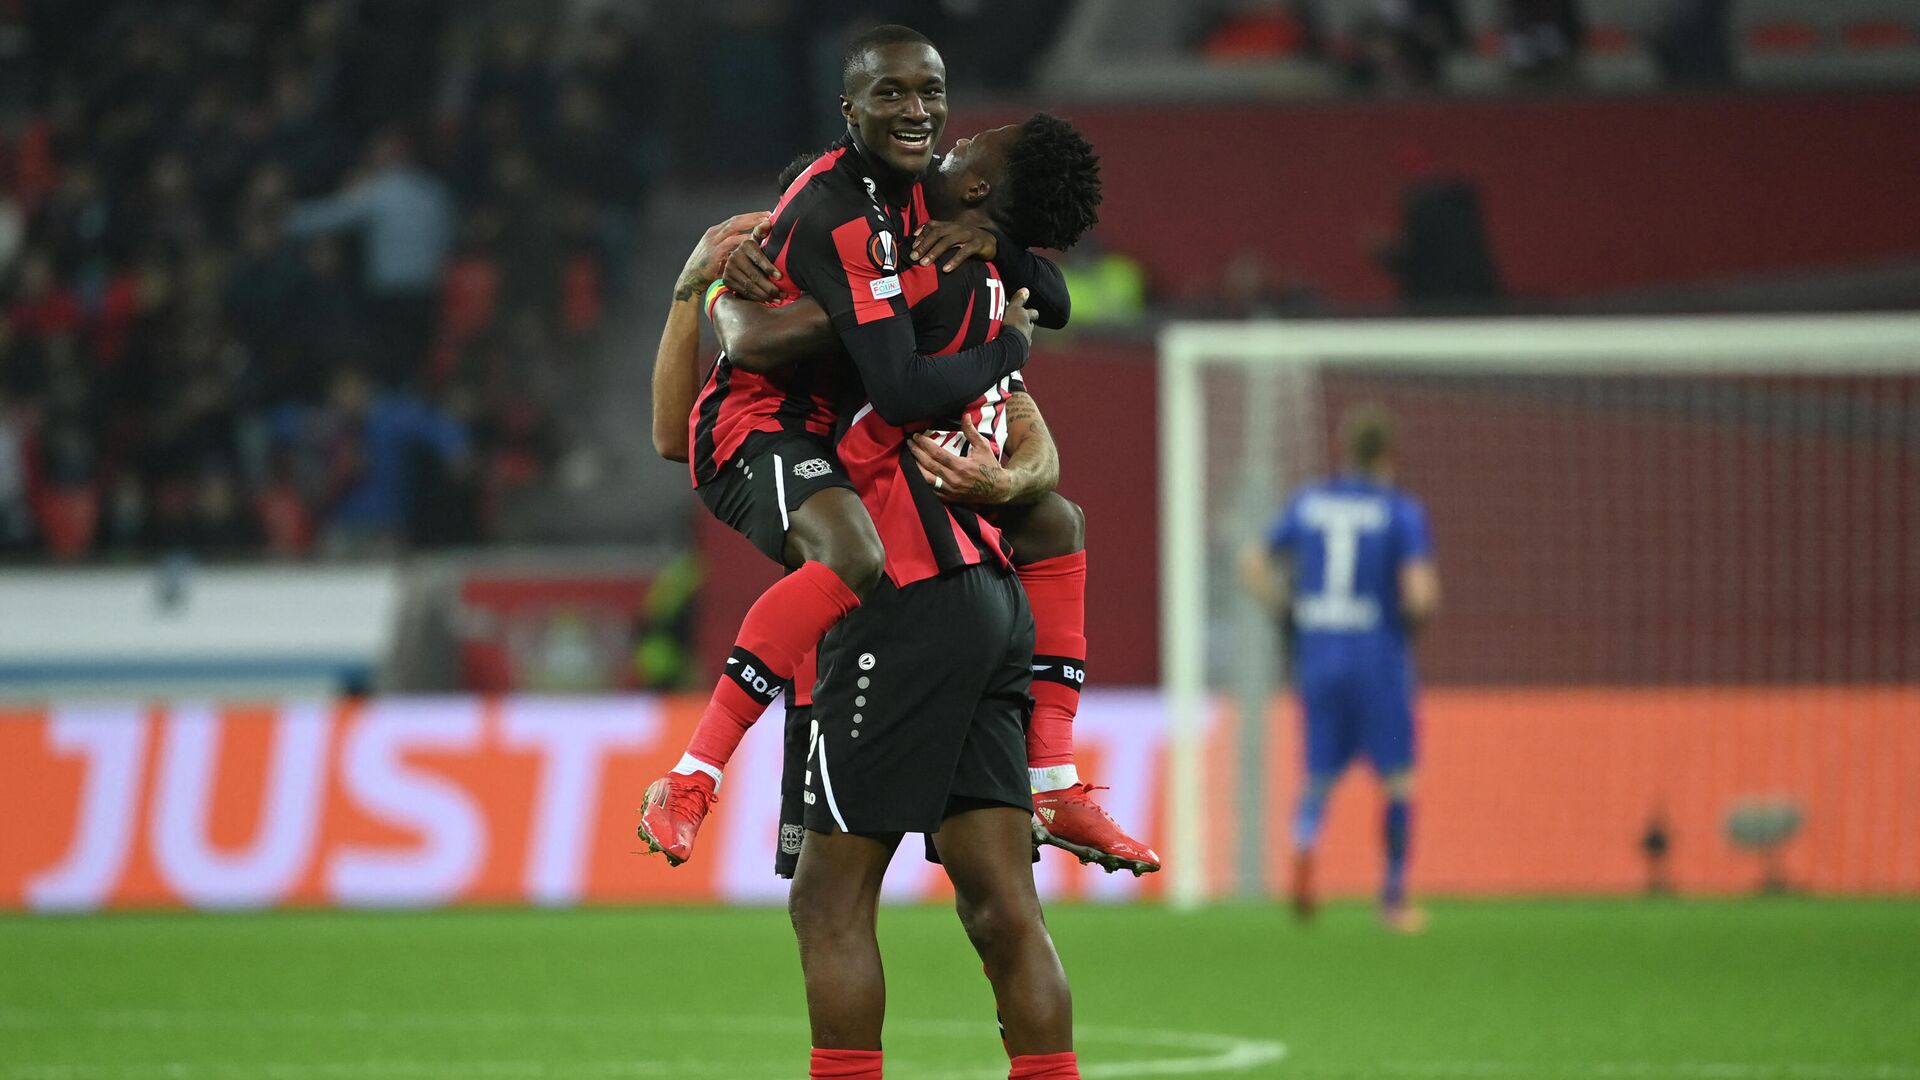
{"points": [[771, 474], [922, 706], [793, 807]]}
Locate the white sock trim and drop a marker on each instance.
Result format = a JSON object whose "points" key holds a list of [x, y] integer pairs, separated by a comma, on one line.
{"points": [[1053, 777], [690, 765]]}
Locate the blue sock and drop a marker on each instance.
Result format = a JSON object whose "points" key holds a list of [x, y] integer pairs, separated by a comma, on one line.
{"points": [[1399, 826], [1306, 817]]}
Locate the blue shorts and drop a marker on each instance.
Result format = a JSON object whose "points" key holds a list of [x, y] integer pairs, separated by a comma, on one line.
{"points": [[1354, 712]]}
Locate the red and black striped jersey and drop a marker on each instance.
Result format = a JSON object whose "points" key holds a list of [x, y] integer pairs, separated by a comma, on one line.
{"points": [[805, 396], [837, 237], [923, 535]]}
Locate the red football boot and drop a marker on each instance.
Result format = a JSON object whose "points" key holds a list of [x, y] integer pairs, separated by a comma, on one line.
{"points": [[671, 813], [1069, 819]]}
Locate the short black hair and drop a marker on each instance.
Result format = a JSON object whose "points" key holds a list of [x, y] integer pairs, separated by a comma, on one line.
{"points": [[854, 61], [794, 168], [1052, 190]]}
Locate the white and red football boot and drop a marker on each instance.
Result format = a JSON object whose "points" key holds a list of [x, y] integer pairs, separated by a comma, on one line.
{"points": [[1069, 819], [671, 813]]}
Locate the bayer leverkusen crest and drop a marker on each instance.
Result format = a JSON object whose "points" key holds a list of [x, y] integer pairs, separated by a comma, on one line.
{"points": [[883, 251]]}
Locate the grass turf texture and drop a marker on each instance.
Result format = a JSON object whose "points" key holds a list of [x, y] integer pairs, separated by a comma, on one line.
{"points": [[1712, 990]]}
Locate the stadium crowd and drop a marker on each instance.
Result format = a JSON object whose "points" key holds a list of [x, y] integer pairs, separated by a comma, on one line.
{"points": [[287, 276]]}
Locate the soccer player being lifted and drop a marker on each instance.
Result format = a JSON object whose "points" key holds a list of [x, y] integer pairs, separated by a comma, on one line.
{"points": [[921, 700], [1032, 184], [1348, 566]]}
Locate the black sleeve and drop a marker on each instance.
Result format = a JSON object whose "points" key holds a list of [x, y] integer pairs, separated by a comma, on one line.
{"points": [[905, 385], [1046, 286], [851, 268]]}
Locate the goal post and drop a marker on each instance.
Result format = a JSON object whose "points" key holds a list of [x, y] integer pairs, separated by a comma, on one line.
{"points": [[1499, 407]]}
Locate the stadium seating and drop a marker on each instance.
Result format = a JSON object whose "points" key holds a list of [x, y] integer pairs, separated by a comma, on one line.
{"points": [[1834, 41]]}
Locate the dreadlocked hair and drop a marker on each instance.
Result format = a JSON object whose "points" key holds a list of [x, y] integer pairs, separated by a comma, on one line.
{"points": [[1053, 185]]}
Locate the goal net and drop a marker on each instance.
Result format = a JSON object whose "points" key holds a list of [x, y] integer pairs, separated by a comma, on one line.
{"points": [[1679, 638]]}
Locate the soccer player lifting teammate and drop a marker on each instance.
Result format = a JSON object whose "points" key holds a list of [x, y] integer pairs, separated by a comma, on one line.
{"points": [[1348, 565], [1029, 184], [922, 692]]}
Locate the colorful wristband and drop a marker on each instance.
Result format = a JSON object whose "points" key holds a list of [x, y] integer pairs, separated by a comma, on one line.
{"points": [[713, 295]]}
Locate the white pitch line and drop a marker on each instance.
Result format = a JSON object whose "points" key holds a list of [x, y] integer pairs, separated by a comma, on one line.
{"points": [[1201, 1052], [1653, 1070]]}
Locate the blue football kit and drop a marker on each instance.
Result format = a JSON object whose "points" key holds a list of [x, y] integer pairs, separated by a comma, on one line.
{"points": [[1347, 539]]}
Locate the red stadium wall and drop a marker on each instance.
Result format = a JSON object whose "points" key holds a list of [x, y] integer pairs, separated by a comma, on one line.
{"points": [[1619, 532], [1581, 196], [433, 801]]}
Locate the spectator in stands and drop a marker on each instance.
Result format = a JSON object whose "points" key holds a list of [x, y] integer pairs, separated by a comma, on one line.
{"points": [[1442, 257], [1542, 38], [516, 70], [1244, 30], [79, 222], [596, 169], [42, 307], [1403, 44], [357, 455], [179, 231], [1693, 43], [264, 293], [217, 521], [16, 512], [529, 236], [13, 232], [406, 217]]}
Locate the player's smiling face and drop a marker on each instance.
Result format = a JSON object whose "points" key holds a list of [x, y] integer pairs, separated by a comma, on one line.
{"points": [[899, 114]]}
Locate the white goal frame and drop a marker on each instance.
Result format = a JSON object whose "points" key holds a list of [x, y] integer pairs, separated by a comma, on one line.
{"points": [[1678, 345]]}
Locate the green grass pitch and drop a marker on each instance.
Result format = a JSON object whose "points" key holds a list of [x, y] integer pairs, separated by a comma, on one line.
{"points": [[1723, 990]]}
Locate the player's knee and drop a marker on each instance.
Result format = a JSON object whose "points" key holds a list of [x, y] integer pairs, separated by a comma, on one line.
{"points": [[997, 925], [1056, 526], [815, 914], [859, 561], [850, 548], [1069, 522], [985, 925]]}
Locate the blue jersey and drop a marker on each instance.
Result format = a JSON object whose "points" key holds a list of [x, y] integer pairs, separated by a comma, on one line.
{"points": [[1347, 538]]}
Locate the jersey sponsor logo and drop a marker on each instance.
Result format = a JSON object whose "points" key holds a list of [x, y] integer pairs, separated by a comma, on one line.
{"points": [[812, 468], [750, 673], [885, 288], [791, 837], [883, 251], [1066, 670]]}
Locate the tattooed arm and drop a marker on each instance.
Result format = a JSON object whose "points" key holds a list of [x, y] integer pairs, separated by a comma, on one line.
{"points": [[1031, 468], [676, 360]]}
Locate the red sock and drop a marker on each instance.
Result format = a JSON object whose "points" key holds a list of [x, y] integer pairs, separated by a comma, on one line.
{"points": [[1061, 1066], [780, 629], [845, 1065], [1057, 592]]}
